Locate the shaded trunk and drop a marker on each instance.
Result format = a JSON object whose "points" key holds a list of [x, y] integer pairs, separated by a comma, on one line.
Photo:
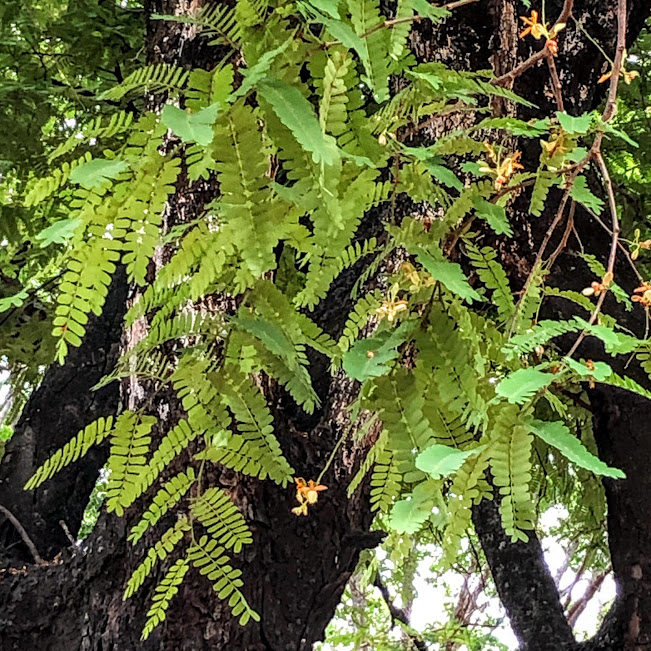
{"points": [[63, 404], [296, 569]]}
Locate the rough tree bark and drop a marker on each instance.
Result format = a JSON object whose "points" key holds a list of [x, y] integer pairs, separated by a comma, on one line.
{"points": [[297, 568]]}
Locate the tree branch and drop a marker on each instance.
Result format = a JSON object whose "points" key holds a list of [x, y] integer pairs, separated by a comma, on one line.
{"points": [[524, 584], [397, 613], [23, 534]]}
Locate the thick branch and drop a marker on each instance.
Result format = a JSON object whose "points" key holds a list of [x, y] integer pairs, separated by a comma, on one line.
{"points": [[523, 583], [58, 409]]}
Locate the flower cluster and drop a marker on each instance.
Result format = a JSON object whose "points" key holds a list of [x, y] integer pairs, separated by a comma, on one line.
{"points": [[638, 245], [597, 288], [501, 168], [540, 30], [628, 75], [391, 306]]}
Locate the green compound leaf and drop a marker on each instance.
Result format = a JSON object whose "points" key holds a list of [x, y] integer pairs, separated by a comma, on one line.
{"points": [[581, 193], [441, 460], [297, 114], [494, 215], [447, 273], [558, 435], [579, 125], [520, 387], [191, 127], [15, 300], [408, 515], [97, 171], [59, 233], [370, 357]]}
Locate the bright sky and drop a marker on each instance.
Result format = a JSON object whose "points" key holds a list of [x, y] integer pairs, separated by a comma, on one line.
{"points": [[428, 606]]}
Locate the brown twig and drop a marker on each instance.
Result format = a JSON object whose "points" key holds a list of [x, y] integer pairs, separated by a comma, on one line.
{"points": [[612, 256], [571, 173], [459, 3], [569, 227], [23, 534], [397, 613], [66, 531], [579, 606], [556, 82], [595, 152]]}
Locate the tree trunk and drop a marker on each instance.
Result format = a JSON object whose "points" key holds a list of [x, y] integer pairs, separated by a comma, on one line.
{"points": [[297, 568]]}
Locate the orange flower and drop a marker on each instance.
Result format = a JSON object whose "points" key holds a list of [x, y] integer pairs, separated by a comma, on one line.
{"points": [[628, 75], [642, 294], [595, 289], [306, 493], [504, 169], [536, 29]]}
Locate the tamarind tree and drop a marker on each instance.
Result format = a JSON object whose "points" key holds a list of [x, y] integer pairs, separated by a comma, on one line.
{"points": [[297, 277]]}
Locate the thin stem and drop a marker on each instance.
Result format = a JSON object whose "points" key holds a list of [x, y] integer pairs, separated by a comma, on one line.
{"points": [[609, 111], [23, 534], [556, 83]]}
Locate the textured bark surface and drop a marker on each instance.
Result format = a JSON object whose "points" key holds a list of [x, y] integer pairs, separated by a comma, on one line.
{"points": [[297, 568]]}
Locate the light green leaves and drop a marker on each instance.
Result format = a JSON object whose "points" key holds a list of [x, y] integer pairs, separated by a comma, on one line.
{"points": [[330, 7], [441, 460], [447, 273], [519, 387], [15, 300], [576, 125], [373, 47], [59, 233], [370, 357], [494, 214], [191, 127], [297, 114], [558, 435], [408, 514], [427, 10], [97, 171], [581, 193]]}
